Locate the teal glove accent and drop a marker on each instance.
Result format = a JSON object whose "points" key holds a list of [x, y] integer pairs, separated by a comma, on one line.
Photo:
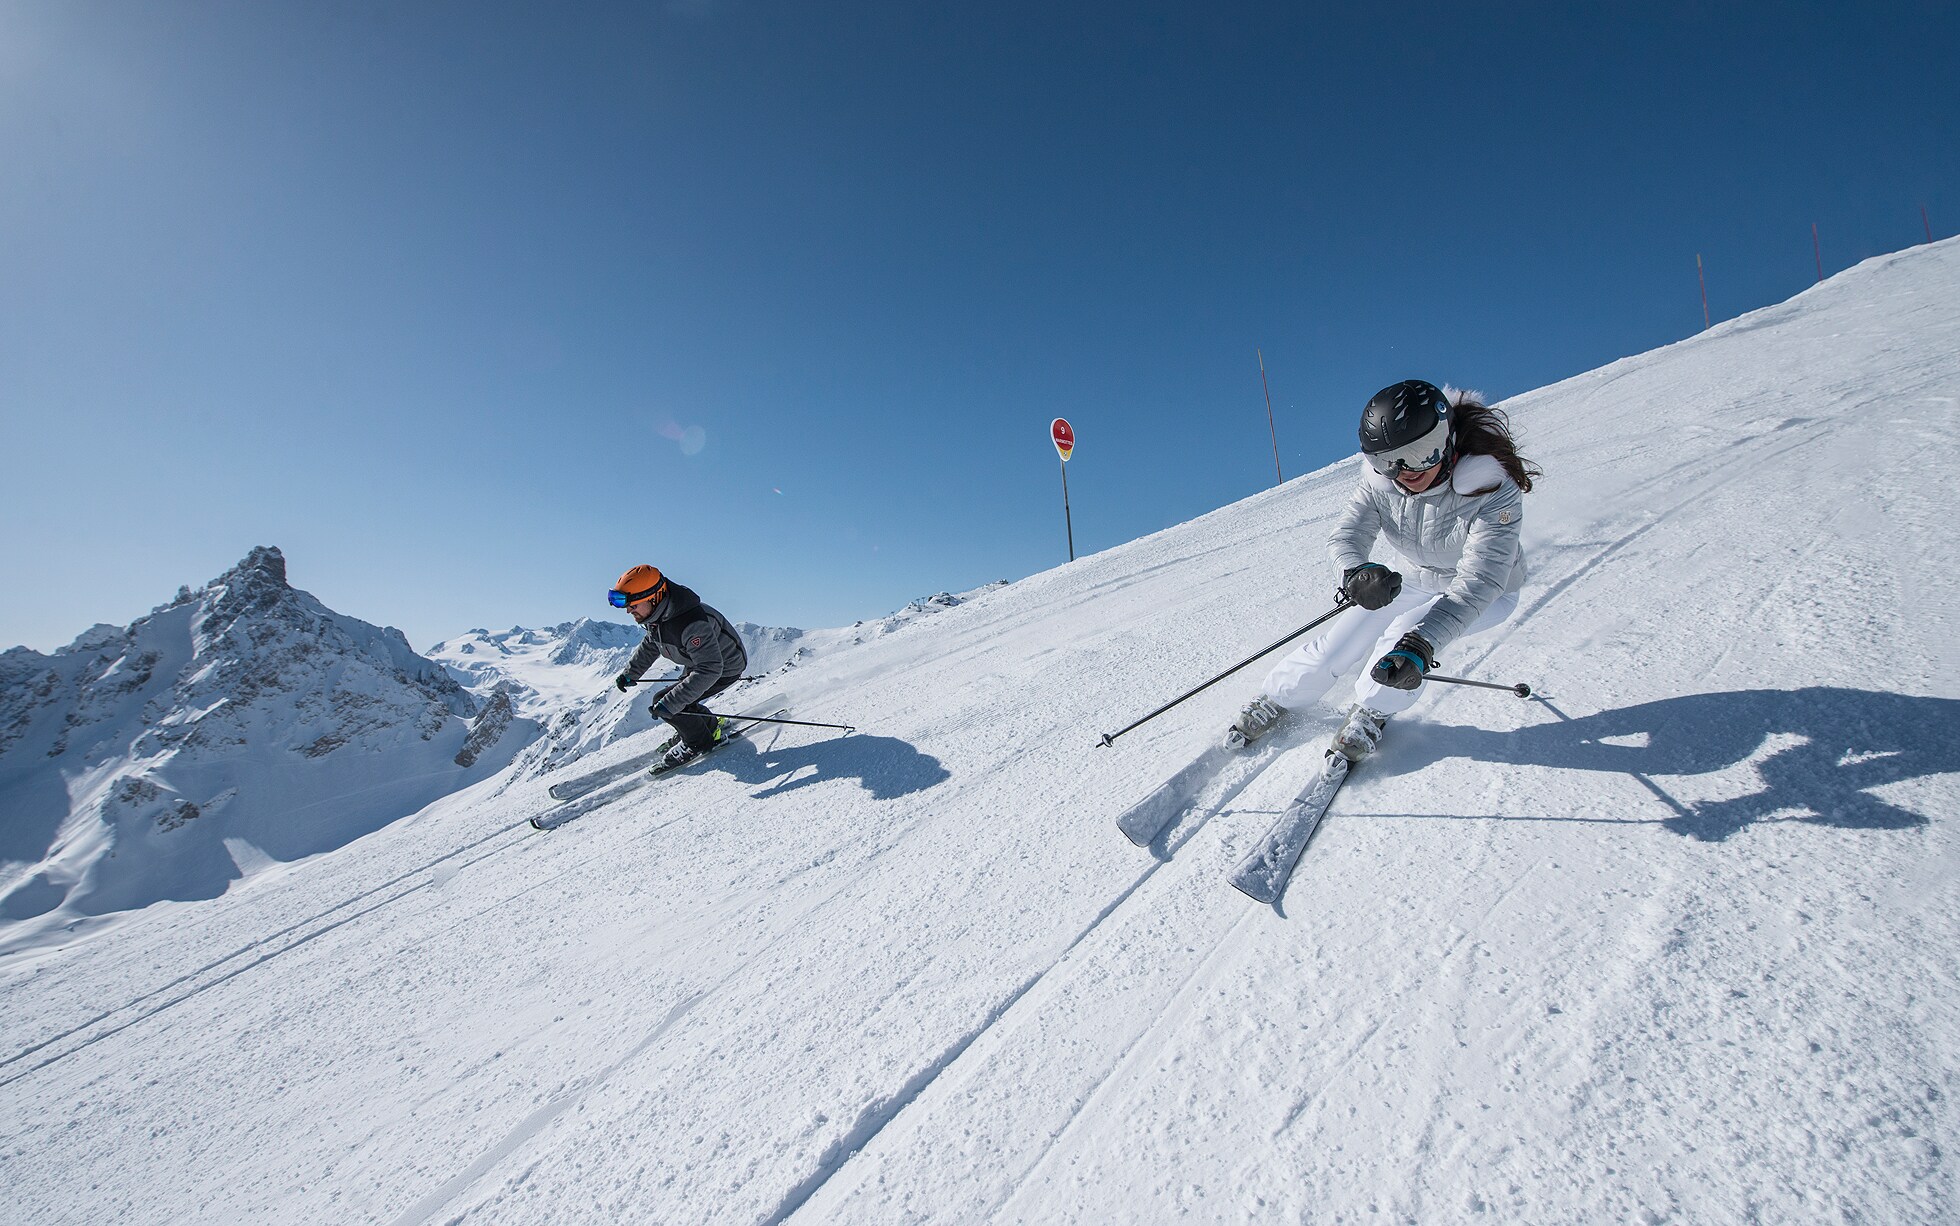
{"points": [[1404, 667]]}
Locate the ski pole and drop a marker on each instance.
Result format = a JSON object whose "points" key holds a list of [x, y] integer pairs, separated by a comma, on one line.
{"points": [[1340, 603], [1520, 689], [770, 719], [676, 677]]}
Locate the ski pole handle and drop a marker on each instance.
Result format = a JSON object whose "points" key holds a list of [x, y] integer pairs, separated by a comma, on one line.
{"points": [[1520, 689]]}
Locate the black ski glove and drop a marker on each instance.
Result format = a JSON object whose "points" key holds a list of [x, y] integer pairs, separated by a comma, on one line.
{"points": [[1402, 669], [624, 682], [659, 705], [1371, 585]]}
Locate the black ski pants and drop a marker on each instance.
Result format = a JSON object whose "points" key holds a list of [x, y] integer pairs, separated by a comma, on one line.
{"points": [[696, 724]]}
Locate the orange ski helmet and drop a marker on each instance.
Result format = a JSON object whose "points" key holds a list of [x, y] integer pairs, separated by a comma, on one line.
{"points": [[640, 583]]}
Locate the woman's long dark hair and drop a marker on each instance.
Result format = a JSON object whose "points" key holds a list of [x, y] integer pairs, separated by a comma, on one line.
{"points": [[1482, 430]]}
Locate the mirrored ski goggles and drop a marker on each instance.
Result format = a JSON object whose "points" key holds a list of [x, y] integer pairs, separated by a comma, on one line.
{"points": [[1425, 452], [619, 600]]}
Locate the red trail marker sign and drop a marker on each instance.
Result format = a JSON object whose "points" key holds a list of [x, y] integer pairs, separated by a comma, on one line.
{"points": [[1064, 436]]}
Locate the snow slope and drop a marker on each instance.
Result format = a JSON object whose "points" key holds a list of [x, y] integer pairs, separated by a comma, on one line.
{"points": [[1675, 943]]}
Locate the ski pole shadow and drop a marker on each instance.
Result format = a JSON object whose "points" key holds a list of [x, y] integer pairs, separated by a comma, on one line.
{"points": [[884, 766], [1847, 743]]}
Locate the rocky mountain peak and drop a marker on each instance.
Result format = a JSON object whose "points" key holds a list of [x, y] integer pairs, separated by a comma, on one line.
{"points": [[256, 583], [265, 563]]}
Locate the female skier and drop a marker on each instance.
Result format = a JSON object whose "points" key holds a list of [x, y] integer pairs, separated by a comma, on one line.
{"points": [[1445, 484]]}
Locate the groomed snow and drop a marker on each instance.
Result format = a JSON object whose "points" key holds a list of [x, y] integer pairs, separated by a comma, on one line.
{"points": [[1675, 943]]}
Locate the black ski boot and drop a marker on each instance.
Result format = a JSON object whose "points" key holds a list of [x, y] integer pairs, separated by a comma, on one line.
{"points": [[680, 753]]}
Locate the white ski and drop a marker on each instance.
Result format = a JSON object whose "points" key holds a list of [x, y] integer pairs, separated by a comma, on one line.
{"points": [[572, 789], [600, 797], [1211, 779], [1262, 875], [1142, 821]]}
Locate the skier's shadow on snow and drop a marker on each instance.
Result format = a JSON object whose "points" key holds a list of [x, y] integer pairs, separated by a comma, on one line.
{"points": [[1851, 742], [884, 766]]}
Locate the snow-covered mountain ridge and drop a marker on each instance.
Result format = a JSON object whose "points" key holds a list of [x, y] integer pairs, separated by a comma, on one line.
{"points": [[546, 667], [1674, 942], [165, 759]]}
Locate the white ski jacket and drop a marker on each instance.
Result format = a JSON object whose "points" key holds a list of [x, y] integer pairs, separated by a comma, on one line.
{"points": [[1459, 538]]}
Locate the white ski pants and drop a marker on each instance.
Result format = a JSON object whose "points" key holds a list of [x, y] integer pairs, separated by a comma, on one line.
{"points": [[1365, 635]]}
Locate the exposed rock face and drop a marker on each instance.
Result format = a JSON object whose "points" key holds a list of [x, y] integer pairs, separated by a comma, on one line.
{"points": [[489, 726], [242, 711]]}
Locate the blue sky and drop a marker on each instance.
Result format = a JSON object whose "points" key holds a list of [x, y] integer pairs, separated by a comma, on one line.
{"points": [[467, 306]]}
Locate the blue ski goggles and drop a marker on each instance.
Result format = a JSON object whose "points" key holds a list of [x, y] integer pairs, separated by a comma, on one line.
{"points": [[1424, 453], [619, 600]]}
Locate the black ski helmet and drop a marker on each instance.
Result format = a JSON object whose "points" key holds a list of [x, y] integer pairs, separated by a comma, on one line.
{"points": [[1408, 426]]}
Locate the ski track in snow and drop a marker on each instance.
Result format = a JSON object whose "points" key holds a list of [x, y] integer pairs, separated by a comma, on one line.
{"points": [[1031, 996], [217, 969], [1543, 962], [219, 972]]}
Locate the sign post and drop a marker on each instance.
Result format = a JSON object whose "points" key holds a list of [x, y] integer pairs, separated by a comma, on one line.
{"points": [[1278, 477], [1064, 436]]}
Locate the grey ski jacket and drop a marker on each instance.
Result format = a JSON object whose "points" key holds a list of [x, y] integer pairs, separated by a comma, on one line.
{"points": [[1459, 538], [694, 636]]}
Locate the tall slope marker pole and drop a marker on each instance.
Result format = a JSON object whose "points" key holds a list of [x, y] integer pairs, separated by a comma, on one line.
{"points": [[1278, 478], [1064, 436]]}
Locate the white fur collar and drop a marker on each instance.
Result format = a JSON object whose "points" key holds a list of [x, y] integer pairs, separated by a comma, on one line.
{"points": [[1477, 472]]}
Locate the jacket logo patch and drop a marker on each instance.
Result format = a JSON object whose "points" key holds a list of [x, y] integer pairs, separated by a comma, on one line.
{"points": [[1503, 517], [697, 640]]}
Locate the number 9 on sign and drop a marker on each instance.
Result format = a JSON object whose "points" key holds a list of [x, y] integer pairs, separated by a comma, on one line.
{"points": [[1064, 436]]}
